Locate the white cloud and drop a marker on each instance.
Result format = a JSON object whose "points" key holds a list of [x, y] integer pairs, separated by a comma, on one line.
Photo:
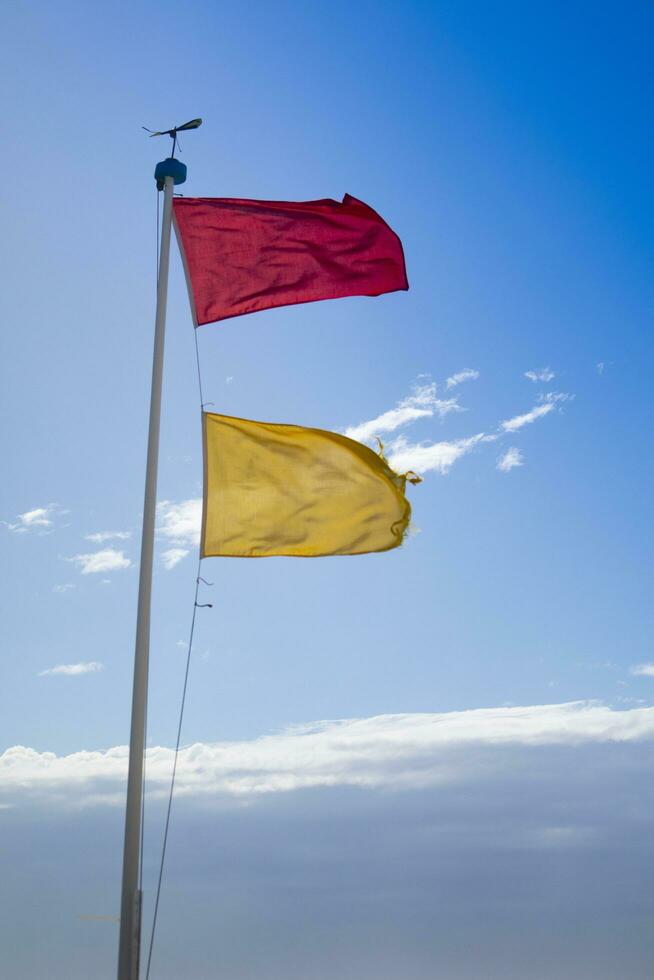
{"points": [[421, 403], [548, 404], [517, 422], [172, 557], [541, 374], [468, 374], [40, 519], [386, 751], [555, 396], [440, 456], [643, 670], [512, 457], [600, 367], [424, 456], [73, 670], [101, 536], [180, 523], [106, 560], [66, 587]]}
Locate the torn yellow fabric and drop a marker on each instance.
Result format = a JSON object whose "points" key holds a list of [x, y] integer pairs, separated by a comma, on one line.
{"points": [[272, 489]]}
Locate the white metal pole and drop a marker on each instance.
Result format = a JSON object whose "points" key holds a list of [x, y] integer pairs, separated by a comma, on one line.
{"points": [[130, 907]]}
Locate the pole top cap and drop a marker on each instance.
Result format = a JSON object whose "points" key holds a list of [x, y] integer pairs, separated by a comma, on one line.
{"points": [[169, 168]]}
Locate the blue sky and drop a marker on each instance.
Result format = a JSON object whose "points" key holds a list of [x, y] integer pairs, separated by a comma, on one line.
{"points": [[511, 149]]}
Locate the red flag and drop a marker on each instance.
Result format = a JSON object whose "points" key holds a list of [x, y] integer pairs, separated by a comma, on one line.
{"points": [[242, 256]]}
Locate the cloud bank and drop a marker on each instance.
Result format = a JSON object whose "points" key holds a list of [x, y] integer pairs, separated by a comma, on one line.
{"points": [[392, 752]]}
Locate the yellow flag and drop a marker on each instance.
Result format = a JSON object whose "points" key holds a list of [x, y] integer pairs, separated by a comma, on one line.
{"points": [[273, 489]]}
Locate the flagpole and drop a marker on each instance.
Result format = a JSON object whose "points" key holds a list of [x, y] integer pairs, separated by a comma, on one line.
{"points": [[167, 173]]}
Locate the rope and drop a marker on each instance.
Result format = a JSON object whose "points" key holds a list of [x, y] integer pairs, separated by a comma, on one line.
{"points": [[196, 606], [145, 755], [197, 361], [172, 780]]}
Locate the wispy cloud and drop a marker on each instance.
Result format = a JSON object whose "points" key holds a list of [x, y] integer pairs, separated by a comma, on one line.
{"points": [[105, 560], [555, 396], [421, 403], [440, 456], [424, 457], [65, 587], [39, 519], [643, 670], [73, 670], [511, 458], [547, 404], [101, 536], [518, 421], [468, 374], [541, 374], [179, 525], [386, 751]]}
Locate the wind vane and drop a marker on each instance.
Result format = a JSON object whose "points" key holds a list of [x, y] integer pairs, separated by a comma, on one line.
{"points": [[171, 167], [192, 124]]}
